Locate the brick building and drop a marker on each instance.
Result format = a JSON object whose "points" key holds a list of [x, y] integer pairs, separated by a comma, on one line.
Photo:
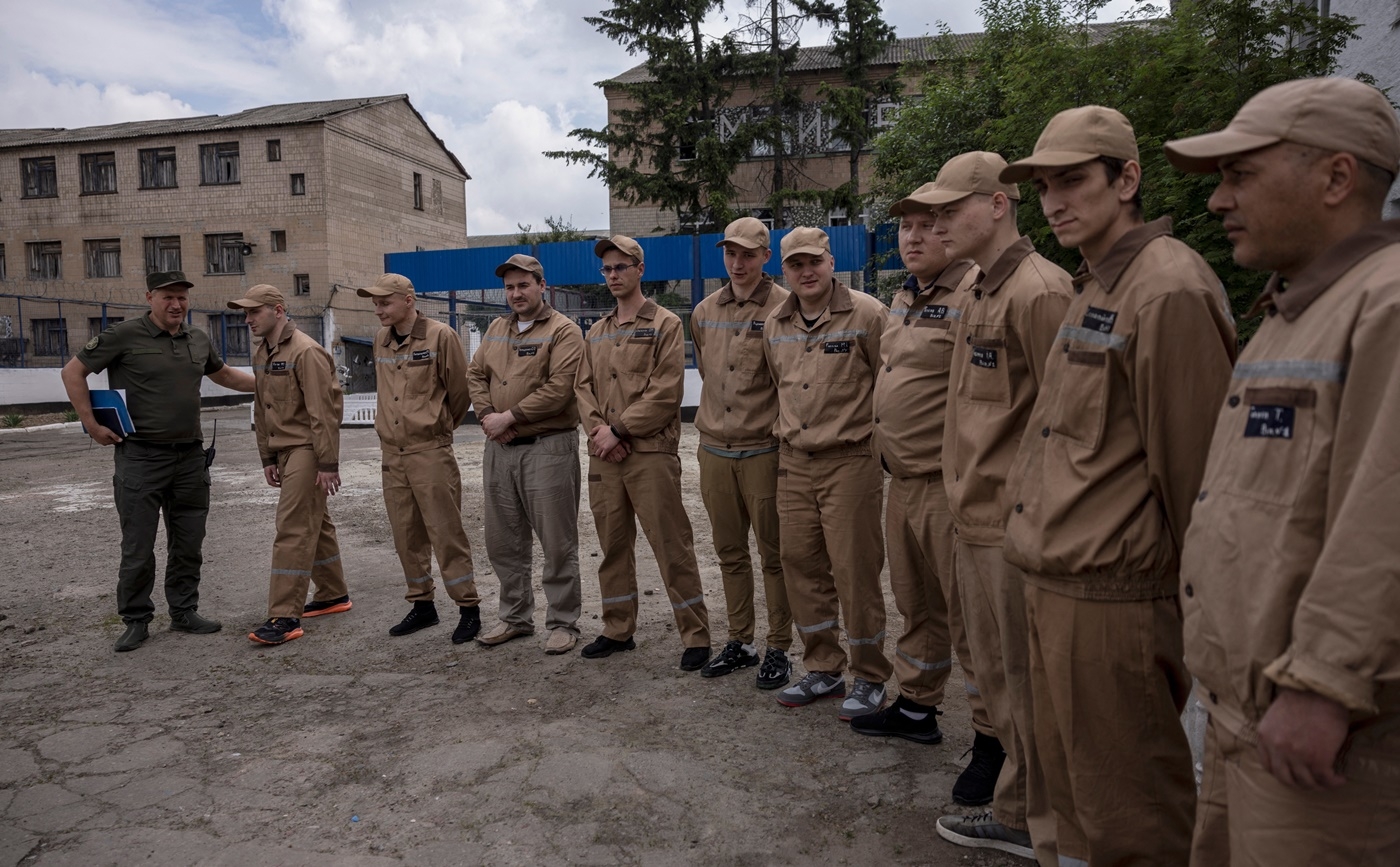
{"points": [[306, 196]]}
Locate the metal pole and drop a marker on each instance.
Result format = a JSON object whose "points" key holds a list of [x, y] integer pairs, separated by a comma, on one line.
{"points": [[19, 314], [697, 274]]}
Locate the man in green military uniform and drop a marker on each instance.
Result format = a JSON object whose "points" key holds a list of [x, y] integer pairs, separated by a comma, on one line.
{"points": [[160, 466]]}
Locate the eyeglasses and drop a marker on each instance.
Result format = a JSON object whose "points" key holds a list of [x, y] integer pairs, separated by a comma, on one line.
{"points": [[607, 270]]}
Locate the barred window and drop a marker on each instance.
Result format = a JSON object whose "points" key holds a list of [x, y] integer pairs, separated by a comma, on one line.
{"points": [[45, 260], [279, 240], [223, 254], [163, 254], [303, 284], [95, 326], [104, 257], [218, 163], [157, 168], [99, 172], [40, 177], [50, 336], [229, 331]]}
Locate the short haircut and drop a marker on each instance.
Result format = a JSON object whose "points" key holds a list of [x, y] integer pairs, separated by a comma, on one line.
{"points": [[1114, 166]]}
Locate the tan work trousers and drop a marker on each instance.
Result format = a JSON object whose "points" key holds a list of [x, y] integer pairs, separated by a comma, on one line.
{"points": [[829, 524], [423, 494], [1246, 818], [919, 541], [535, 488], [1109, 685], [305, 550], [645, 487], [740, 493], [994, 608]]}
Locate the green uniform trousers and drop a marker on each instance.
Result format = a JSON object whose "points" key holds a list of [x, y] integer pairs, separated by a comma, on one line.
{"points": [[151, 479]]}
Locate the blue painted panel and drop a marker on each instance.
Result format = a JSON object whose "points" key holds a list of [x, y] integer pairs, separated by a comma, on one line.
{"points": [[569, 263], [667, 257], [446, 270]]}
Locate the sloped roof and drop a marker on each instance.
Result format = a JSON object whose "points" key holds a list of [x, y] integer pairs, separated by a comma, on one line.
{"points": [[288, 114], [898, 53]]}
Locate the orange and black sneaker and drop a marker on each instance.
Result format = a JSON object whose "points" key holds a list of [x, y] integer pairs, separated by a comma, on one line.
{"points": [[330, 606], [278, 630]]}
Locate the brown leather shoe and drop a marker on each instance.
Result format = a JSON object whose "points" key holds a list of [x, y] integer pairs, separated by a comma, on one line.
{"points": [[500, 634], [560, 641]]}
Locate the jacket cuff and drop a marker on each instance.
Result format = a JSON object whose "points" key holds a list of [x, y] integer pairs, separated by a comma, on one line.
{"points": [[328, 468], [482, 412], [519, 416], [620, 430], [269, 460], [1351, 691]]}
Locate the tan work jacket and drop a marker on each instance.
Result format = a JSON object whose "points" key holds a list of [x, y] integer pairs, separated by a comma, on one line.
{"points": [[911, 385], [826, 373], [422, 387], [1009, 321], [1113, 454], [297, 399], [1291, 571], [632, 377], [529, 373], [739, 402]]}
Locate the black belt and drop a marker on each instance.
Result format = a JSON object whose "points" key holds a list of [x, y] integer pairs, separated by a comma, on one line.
{"points": [[151, 444], [529, 441]]}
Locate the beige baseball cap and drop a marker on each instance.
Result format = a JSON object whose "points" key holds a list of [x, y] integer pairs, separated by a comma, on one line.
{"points": [[622, 244], [1074, 136], [805, 239], [261, 295], [919, 200], [1335, 114], [965, 174], [389, 284], [521, 262], [746, 232]]}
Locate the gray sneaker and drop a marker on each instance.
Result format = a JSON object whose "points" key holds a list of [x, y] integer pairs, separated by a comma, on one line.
{"points": [[865, 698], [813, 685], [983, 831]]}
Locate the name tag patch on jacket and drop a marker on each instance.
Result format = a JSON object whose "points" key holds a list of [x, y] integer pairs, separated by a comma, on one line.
{"points": [[1099, 320], [983, 356], [277, 365], [756, 325], [1269, 422], [934, 311], [526, 351], [837, 347], [644, 332], [421, 355]]}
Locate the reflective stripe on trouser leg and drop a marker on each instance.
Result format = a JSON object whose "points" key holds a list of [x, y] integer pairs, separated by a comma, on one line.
{"points": [[807, 569], [1210, 839], [1110, 686], [850, 493], [923, 654], [653, 483], [615, 522], [305, 538]]}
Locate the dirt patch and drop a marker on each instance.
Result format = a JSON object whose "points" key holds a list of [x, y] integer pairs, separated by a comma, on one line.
{"points": [[410, 750]]}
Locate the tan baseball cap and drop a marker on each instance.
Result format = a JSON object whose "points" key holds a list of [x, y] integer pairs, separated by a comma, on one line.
{"points": [[622, 244], [805, 239], [919, 200], [1074, 136], [746, 232], [965, 174], [521, 262], [1335, 114], [261, 295], [389, 284]]}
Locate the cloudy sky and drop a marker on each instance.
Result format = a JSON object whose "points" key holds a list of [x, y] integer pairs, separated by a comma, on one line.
{"points": [[499, 80]]}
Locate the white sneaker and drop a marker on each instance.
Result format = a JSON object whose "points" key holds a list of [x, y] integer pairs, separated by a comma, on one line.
{"points": [[813, 685]]}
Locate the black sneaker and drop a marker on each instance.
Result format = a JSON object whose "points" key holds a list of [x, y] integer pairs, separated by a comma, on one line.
{"points": [[330, 606], [604, 646], [694, 658], [468, 626], [776, 670], [733, 657], [978, 781], [894, 722], [421, 616], [278, 630]]}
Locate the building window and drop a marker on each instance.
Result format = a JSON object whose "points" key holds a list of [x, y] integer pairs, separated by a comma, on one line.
{"points": [[50, 336], [163, 254], [45, 260], [303, 284], [274, 150], [231, 331], [218, 163], [298, 185], [279, 241], [223, 254], [104, 257], [417, 191], [99, 172], [95, 326], [40, 178], [157, 168]]}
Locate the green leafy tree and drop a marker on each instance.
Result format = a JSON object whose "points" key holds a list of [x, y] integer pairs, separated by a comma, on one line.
{"points": [[556, 229], [666, 148], [1173, 76], [769, 34]]}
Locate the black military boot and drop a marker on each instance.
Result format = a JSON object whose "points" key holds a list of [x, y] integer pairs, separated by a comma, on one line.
{"points": [[468, 626], [136, 632], [978, 781], [421, 616]]}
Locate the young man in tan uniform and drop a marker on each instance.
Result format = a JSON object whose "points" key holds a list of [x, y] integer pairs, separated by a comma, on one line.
{"points": [[911, 394], [522, 385], [1009, 320], [1102, 491], [297, 408], [421, 377], [1291, 574], [629, 388], [738, 452], [823, 347]]}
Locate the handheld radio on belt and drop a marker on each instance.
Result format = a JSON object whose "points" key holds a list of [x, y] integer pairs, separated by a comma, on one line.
{"points": [[209, 452]]}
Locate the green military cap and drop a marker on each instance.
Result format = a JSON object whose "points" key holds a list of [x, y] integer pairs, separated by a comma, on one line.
{"points": [[167, 280]]}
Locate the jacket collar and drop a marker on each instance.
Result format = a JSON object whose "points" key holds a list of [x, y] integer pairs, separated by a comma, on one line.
{"points": [[647, 311], [417, 332], [1292, 297], [1006, 265], [759, 296], [155, 330], [840, 301], [1122, 254]]}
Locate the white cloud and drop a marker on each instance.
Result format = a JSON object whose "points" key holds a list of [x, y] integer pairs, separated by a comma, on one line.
{"points": [[30, 99]]}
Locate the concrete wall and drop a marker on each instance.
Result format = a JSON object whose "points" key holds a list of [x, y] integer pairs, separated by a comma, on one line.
{"points": [[45, 386]]}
